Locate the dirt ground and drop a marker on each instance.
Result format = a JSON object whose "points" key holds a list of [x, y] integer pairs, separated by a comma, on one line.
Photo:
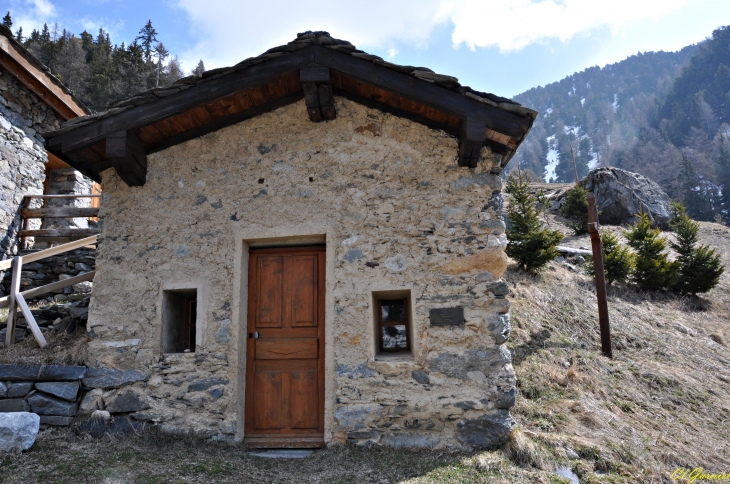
{"points": [[661, 404]]}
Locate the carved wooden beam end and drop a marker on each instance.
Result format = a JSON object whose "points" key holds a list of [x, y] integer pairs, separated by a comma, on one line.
{"points": [[124, 151], [318, 93], [471, 139]]}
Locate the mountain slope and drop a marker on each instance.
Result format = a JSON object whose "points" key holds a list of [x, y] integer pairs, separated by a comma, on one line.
{"points": [[596, 110]]}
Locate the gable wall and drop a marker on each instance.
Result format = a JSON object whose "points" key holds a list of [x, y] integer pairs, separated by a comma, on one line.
{"points": [[383, 190]]}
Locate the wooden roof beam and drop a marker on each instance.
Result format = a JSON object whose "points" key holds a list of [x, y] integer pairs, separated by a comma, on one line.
{"points": [[471, 139], [127, 155], [318, 97]]}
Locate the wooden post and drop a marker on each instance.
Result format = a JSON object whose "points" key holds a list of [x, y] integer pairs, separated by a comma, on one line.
{"points": [[14, 289], [597, 245], [24, 222]]}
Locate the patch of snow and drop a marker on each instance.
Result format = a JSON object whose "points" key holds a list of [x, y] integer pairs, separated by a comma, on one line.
{"points": [[593, 162], [552, 158], [588, 85], [615, 103], [573, 88], [582, 101], [548, 111], [571, 129]]}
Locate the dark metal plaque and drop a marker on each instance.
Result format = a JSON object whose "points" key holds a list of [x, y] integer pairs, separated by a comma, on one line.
{"points": [[446, 316]]}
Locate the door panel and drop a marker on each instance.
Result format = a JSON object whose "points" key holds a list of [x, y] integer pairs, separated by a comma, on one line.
{"points": [[270, 272], [267, 412], [285, 364], [304, 304]]}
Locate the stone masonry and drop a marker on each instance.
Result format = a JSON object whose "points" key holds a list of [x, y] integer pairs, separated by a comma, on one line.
{"points": [[22, 155], [397, 213]]}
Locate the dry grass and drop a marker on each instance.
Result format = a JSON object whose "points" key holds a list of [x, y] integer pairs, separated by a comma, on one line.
{"points": [[62, 349], [661, 403]]}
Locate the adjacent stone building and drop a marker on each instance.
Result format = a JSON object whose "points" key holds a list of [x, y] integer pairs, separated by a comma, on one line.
{"points": [[303, 249], [32, 101]]}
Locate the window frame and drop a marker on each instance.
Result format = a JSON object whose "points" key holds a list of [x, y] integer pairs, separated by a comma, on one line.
{"points": [[406, 323]]}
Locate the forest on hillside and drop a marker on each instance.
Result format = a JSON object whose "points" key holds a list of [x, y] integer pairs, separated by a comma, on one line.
{"points": [[98, 71], [662, 114]]}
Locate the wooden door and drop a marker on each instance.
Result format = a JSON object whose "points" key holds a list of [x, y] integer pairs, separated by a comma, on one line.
{"points": [[285, 351]]}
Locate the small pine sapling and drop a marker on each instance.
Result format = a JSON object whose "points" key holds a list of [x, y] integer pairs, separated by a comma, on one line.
{"points": [[530, 243], [699, 267], [618, 261], [653, 270], [575, 209]]}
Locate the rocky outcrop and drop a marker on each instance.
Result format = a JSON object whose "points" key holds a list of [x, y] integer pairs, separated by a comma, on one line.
{"points": [[621, 194]]}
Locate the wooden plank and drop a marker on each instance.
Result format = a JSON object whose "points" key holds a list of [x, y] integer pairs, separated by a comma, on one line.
{"points": [[270, 292], [267, 406], [150, 113], [304, 291], [30, 320], [62, 196], [67, 232], [285, 365], [303, 391], [215, 126], [425, 92], [278, 441], [471, 139], [39, 291], [59, 212], [286, 349], [14, 290], [60, 249]]}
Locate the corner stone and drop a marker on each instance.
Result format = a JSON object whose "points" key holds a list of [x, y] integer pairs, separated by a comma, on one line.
{"points": [[18, 431], [487, 432]]}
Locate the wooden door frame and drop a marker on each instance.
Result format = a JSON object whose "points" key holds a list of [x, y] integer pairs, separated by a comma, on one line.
{"points": [[260, 440]]}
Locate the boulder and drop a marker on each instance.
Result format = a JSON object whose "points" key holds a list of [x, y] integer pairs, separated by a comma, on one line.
{"points": [[621, 194], [18, 431], [92, 401]]}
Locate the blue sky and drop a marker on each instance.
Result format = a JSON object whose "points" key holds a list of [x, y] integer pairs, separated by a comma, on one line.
{"points": [[504, 47]]}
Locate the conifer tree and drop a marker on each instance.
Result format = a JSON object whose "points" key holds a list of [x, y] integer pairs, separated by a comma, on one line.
{"points": [[618, 261], [199, 69], [653, 270], [699, 267], [148, 39], [7, 20], [530, 243], [19, 35], [575, 209]]}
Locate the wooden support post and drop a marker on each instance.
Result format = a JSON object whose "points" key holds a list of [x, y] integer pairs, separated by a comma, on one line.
{"points": [[31, 320], [318, 96], [14, 290], [472, 135], [597, 246], [128, 157], [24, 222]]}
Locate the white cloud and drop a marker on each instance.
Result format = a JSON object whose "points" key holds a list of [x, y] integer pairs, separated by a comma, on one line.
{"points": [[515, 24], [230, 30], [31, 14]]}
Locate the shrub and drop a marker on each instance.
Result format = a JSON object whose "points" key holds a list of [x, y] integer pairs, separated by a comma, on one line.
{"points": [[699, 268], [618, 261], [530, 244], [653, 270], [575, 209]]}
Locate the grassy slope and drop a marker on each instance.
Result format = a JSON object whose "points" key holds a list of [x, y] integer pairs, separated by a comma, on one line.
{"points": [[661, 403]]}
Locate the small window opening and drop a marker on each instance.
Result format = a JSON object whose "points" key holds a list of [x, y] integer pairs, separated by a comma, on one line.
{"points": [[179, 320], [393, 321]]}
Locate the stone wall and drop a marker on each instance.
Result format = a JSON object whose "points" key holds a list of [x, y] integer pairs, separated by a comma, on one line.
{"points": [[396, 212], [22, 164], [22, 155]]}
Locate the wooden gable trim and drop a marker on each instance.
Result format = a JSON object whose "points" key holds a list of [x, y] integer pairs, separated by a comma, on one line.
{"points": [[150, 113], [12, 61], [321, 73]]}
